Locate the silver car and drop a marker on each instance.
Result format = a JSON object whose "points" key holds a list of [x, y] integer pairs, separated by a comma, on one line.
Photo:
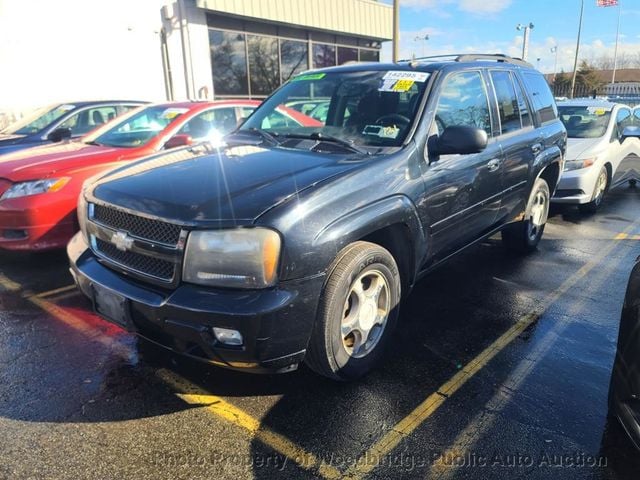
{"points": [[599, 155]]}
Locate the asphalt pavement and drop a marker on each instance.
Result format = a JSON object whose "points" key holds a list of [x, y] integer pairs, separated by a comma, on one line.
{"points": [[500, 369]]}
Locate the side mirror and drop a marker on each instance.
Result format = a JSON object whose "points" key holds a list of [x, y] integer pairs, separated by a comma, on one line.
{"points": [[60, 134], [460, 140], [630, 132], [179, 140]]}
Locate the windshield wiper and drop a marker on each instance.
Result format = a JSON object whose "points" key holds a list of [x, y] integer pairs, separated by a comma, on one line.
{"points": [[256, 132], [321, 137], [94, 143]]}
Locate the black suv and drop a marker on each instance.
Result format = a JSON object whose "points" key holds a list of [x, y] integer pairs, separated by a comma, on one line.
{"points": [[295, 240]]}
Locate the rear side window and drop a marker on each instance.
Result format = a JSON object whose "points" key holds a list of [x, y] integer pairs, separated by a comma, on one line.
{"points": [[464, 102], [542, 98], [507, 101]]}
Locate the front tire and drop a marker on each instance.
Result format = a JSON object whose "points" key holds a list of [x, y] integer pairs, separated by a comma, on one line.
{"points": [[358, 312], [600, 189], [524, 236]]}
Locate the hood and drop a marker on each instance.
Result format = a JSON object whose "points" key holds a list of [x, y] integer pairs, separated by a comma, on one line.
{"points": [[235, 185], [578, 148], [44, 161]]}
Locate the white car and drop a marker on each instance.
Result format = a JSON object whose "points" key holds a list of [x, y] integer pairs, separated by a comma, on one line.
{"points": [[596, 149]]}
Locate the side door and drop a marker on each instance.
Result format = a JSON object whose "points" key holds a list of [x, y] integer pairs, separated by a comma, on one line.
{"points": [[463, 192], [518, 139], [620, 151]]}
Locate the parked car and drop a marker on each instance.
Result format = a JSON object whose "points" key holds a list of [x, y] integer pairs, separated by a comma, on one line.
{"points": [[595, 151], [624, 395], [39, 187], [297, 243], [55, 123]]}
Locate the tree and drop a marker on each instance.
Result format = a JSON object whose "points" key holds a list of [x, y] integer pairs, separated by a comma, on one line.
{"points": [[587, 78]]}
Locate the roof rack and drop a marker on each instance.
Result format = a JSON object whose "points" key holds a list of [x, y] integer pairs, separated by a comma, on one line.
{"points": [[473, 57]]}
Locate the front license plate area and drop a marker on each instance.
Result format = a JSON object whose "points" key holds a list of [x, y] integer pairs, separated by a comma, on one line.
{"points": [[112, 306]]}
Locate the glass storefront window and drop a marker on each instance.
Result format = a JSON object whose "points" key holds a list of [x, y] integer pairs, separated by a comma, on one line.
{"points": [[264, 70], [294, 58], [369, 55], [229, 63], [324, 55], [346, 54]]}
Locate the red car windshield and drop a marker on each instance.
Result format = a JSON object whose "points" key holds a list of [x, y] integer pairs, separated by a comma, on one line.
{"points": [[138, 129]]}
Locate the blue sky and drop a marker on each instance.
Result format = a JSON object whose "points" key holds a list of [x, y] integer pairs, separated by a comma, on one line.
{"points": [[489, 26]]}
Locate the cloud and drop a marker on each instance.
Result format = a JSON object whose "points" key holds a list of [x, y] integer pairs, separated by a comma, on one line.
{"points": [[476, 7]]}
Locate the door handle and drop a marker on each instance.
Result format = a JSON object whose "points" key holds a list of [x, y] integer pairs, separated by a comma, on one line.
{"points": [[493, 165], [536, 148]]}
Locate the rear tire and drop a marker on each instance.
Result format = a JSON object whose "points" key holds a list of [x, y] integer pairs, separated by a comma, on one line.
{"points": [[602, 184], [358, 312], [524, 236]]}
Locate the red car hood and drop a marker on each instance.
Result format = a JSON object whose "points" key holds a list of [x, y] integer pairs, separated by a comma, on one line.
{"points": [[42, 162]]}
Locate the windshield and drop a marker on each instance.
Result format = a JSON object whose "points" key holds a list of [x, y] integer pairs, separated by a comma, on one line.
{"points": [[38, 120], [585, 122], [364, 108], [137, 129]]}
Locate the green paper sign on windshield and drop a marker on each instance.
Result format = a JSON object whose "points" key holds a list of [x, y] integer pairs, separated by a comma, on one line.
{"points": [[308, 76]]}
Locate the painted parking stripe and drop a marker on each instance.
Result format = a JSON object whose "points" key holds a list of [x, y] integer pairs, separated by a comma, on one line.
{"points": [[212, 403], [626, 236], [466, 440], [221, 408], [403, 429]]}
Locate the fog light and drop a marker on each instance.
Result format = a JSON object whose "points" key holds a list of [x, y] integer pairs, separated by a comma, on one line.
{"points": [[228, 336]]}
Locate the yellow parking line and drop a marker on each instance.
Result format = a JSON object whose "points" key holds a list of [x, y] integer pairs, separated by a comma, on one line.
{"points": [[621, 236], [375, 455], [221, 408], [56, 291], [8, 284], [445, 467]]}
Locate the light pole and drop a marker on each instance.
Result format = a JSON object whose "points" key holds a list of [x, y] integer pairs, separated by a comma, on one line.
{"points": [[575, 60], [396, 31], [525, 41], [555, 62], [422, 38]]}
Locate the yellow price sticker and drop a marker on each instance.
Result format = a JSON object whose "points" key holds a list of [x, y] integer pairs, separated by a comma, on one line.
{"points": [[403, 85]]}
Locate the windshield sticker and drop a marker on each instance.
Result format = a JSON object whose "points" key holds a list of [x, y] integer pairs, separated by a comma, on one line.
{"points": [[598, 110], [308, 76], [171, 113], [400, 86], [381, 131], [400, 75]]}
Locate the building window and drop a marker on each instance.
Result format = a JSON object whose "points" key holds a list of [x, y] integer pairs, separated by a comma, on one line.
{"points": [[346, 54], [264, 69], [369, 55], [294, 57], [324, 55], [229, 63]]}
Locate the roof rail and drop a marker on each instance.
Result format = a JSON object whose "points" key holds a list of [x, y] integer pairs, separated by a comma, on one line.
{"points": [[471, 57]]}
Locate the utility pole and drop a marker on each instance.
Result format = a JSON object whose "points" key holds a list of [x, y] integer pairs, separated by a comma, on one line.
{"points": [[575, 61], [525, 41], [555, 62], [615, 52], [396, 30]]}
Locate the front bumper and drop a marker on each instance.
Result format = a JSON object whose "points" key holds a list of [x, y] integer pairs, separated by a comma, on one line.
{"points": [[577, 186], [275, 323]]}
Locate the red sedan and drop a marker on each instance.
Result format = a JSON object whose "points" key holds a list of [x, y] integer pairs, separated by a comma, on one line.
{"points": [[39, 187]]}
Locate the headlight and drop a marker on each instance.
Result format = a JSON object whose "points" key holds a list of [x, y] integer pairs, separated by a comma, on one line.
{"points": [[82, 216], [241, 258], [570, 165], [34, 187]]}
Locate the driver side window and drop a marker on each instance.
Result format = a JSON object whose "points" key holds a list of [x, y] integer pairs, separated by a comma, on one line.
{"points": [[464, 102]]}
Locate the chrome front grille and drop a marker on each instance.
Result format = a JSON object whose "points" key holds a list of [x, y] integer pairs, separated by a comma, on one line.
{"points": [[147, 248], [154, 230]]}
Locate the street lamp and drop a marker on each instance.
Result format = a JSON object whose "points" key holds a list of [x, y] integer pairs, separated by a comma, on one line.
{"points": [[554, 49], [525, 42], [422, 38]]}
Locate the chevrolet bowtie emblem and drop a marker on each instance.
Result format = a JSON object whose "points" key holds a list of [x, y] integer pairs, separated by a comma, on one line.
{"points": [[122, 241]]}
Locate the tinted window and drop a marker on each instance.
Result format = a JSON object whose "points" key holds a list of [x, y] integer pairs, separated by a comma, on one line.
{"points": [[222, 120], [346, 54], [324, 55], [507, 101], [229, 60], [294, 58], [623, 119], [264, 70], [525, 116], [463, 102], [542, 98], [369, 55]]}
